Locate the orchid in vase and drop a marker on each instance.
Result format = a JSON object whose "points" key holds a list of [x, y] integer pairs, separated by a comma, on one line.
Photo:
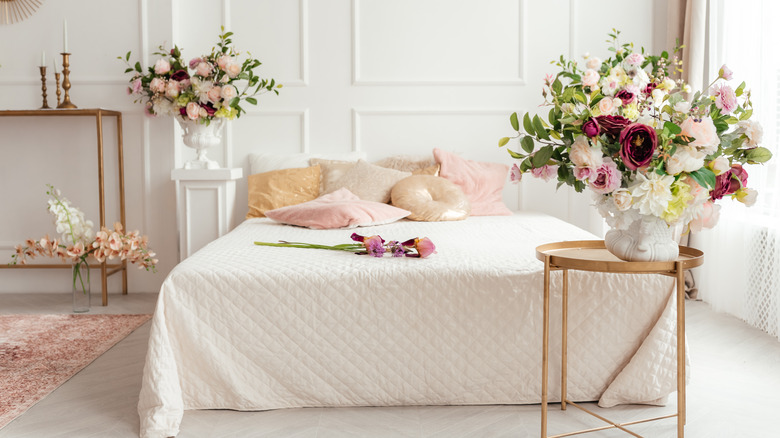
{"points": [[623, 128], [78, 242]]}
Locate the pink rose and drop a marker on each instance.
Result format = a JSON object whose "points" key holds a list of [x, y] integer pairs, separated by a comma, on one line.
{"points": [[545, 172], [606, 106], [590, 78], [514, 174], [726, 99], [606, 178], [229, 92], [203, 69], [157, 85], [233, 69], [215, 93], [172, 89], [224, 61], [582, 155], [162, 66], [708, 217], [194, 62], [136, 86], [635, 59], [193, 110], [725, 73], [703, 133], [582, 173], [593, 63]]}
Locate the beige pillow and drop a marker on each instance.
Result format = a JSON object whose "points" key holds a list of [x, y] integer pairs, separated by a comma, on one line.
{"points": [[407, 163], [280, 188], [330, 172], [431, 199], [370, 182]]}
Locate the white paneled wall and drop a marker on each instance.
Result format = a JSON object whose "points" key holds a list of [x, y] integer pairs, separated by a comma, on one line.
{"points": [[384, 77]]}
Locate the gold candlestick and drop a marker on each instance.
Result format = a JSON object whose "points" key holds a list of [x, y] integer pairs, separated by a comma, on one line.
{"points": [[43, 87], [57, 86], [66, 103]]}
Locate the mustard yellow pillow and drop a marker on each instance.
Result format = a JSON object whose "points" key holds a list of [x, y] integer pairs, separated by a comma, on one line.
{"points": [[281, 188]]}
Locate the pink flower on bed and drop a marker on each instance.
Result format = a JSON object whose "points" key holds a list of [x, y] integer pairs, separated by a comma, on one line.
{"points": [[423, 246]]}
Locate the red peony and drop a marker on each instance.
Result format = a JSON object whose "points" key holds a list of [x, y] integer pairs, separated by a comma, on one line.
{"points": [[637, 145]]}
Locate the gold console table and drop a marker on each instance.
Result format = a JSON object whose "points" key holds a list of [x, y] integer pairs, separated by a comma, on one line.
{"points": [[592, 255], [106, 269]]}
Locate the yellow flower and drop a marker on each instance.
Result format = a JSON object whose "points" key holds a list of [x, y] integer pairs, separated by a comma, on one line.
{"points": [[630, 111], [681, 196]]}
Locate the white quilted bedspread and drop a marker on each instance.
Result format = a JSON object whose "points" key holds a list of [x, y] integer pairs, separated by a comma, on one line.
{"points": [[244, 327]]}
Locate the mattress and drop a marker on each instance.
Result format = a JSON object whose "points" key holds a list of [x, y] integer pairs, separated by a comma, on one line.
{"points": [[245, 327]]}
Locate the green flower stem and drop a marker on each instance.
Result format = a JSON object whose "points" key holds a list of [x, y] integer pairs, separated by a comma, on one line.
{"points": [[343, 247], [77, 274]]}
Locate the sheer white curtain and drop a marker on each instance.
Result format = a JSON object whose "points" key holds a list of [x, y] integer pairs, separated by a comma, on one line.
{"points": [[741, 272]]}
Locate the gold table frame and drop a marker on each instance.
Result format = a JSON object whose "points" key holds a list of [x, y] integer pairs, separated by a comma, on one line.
{"points": [[106, 269], [592, 255]]}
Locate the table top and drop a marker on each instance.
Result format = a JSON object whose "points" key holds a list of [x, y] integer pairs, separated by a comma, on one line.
{"points": [[61, 112], [592, 255]]}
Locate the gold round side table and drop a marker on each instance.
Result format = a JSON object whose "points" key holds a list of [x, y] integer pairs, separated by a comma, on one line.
{"points": [[592, 255]]}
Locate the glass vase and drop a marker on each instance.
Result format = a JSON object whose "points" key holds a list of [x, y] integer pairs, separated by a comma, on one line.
{"points": [[81, 287]]}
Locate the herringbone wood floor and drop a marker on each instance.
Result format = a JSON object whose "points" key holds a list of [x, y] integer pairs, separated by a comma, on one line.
{"points": [[734, 392]]}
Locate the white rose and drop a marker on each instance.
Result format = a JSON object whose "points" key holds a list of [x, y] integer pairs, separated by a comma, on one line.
{"points": [[668, 84], [229, 92], [157, 85], [686, 159], [640, 78], [719, 165], [747, 196], [214, 94], [606, 105], [203, 69], [658, 96], [753, 131], [682, 107], [703, 132], [593, 63], [622, 199], [162, 66]]}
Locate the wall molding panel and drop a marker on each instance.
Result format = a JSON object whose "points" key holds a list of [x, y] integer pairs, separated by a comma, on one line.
{"points": [[360, 78]]}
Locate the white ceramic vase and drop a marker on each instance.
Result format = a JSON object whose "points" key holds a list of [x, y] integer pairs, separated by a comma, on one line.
{"points": [[648, 239], [200, 137]]}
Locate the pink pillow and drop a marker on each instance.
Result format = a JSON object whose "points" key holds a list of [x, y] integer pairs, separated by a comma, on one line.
{"points": [[481, 182], [340, 209]]}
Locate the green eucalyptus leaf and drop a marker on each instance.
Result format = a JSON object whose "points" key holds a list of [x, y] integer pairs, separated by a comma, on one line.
{"points": [[514, 122], [501, 143], [527, 143], [672, 128], [527, 125], [758, 155], [539, 128], [515, 155], [746, 115], [542, 156], [251, 100], [740, 89]]}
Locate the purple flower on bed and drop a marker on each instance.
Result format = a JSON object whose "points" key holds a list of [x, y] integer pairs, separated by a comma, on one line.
{"points": [[374, 246], [396, 249]]}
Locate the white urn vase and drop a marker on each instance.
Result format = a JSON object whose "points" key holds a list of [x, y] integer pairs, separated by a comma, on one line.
{"points": [[648, 239], [201, 136]]}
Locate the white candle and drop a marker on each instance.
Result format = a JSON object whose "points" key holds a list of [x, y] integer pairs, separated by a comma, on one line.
{"points": [[43, 58], [64, 35], [54, 63]]}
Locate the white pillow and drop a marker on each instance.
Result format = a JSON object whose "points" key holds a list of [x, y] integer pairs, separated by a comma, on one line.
{"points": [[266, 162]]}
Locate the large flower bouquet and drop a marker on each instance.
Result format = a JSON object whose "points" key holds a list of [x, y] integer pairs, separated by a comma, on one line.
{"points": [[624, 128], [78, 241], [206, 87]]}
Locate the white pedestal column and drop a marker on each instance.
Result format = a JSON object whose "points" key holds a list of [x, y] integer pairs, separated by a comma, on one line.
{"points": [[204, 205]]}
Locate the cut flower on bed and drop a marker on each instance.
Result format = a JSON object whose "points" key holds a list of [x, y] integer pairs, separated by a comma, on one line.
{"points": [[371, 245]]}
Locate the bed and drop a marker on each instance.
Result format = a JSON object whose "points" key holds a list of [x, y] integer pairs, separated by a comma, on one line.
{"points": [[244, 327]]}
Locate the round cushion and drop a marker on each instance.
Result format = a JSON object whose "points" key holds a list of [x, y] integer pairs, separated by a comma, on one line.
{"points": [[430, 198]]}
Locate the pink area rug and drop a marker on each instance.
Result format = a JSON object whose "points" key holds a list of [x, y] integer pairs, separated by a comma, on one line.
{"points": [[38, 353]]}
